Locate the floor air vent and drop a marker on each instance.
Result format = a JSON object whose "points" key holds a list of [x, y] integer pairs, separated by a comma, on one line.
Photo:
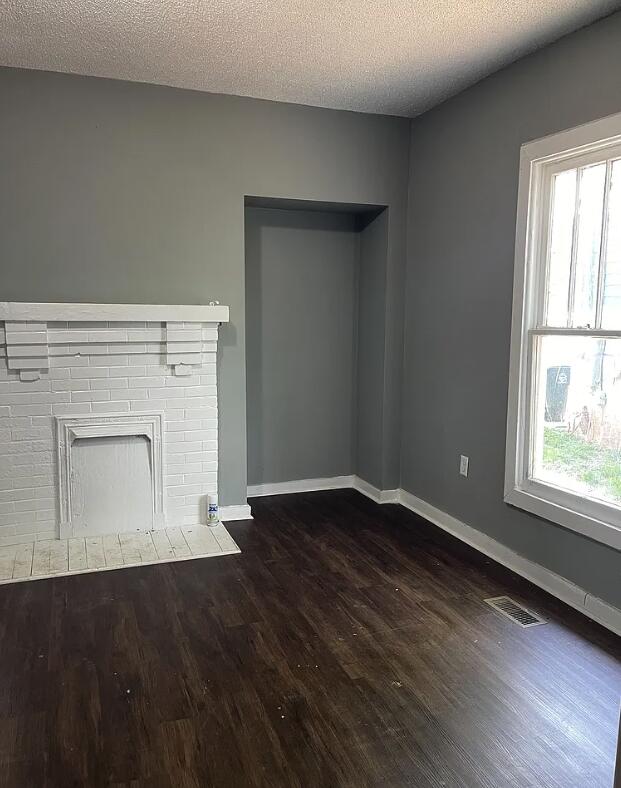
{"points": [[518, 614]]}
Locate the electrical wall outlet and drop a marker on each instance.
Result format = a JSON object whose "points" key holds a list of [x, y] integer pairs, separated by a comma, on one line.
{"points": [[463, 465]]}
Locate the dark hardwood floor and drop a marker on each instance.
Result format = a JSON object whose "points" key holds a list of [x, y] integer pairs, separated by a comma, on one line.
{"points": [[348, 645]]}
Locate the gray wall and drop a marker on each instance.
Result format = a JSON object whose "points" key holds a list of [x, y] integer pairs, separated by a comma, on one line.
{"points": [[301, 331], [371, 343], [462, 208], [117, 192]]}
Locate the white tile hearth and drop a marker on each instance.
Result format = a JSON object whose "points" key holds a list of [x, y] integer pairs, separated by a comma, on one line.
{"points": [[57, 557]]}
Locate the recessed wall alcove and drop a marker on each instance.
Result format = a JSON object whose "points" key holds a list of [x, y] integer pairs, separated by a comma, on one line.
{"points": [[315, 339]]}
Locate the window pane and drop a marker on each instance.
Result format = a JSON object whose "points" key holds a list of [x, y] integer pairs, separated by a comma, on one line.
{"points": [[577, 422], [563, 207], [611, 313], [590, 214]]}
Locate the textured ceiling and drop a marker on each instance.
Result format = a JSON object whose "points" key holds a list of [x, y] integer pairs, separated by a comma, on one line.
{"points": [[392, 56]]}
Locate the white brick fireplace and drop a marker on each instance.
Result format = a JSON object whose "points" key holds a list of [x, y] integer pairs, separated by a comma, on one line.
{"points": [[73, 372]]}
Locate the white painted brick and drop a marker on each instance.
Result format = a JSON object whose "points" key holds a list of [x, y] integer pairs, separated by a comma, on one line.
{"points": [[26, 351], [90, 351], [146, 335], [190, 380], [126, 372], [89, 372], [132, 324], [45, 515], [34, 505], [17, 495], [35, 421], [11, 448], [175, 437], [152, 382], [106, 360], [44, 492], [199, 478], [70, 385], [116, 406], [69, 361], [188, 467], [201, 435], [29, 363], [14, 517], [133, 350], [199, 413], [18, 422], [56, 336], [42, 445], [71, 409], [35, 398], [26, 482], [184, 490], [18, 386], [147, 404], [31, 337], [28, 528], [101, 384], [175, 335], [184, 358], [184, 447], [31, 410], [158, 393], [199, 498], [183, 425], [194, 404], [176, 348], [29, 433], [139, 359], [23, 326], [89, 396], [107, 335]]}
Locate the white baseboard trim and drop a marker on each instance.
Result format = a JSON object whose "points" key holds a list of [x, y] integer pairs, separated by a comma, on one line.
{"points": [[328, 483], [568, 592], [374, 493], [300, 485], [238, 512], [574, 596]]}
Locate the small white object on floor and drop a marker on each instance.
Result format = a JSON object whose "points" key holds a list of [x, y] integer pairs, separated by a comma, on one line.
{"points": [[58, 557]]}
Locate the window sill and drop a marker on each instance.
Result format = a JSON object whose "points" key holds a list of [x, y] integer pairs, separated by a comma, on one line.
{"points": [[595, 529]]}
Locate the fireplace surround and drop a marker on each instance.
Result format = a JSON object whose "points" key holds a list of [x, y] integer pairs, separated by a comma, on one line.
{"points": [[70, 371]]}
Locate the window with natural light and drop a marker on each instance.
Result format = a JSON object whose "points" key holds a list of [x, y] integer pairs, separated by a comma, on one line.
{"points": [[564, 421]]}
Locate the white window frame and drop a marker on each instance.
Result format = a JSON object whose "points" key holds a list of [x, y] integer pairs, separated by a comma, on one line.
{"points": [[538, 160]]}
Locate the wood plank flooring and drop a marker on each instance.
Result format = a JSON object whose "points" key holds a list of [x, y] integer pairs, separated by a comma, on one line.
{"points": [[50, 557], [348, 645]]}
